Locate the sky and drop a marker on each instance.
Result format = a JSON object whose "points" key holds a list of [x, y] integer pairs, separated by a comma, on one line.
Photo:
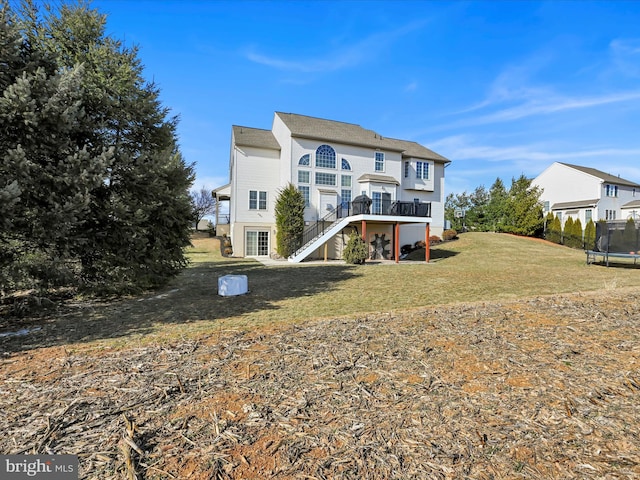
{"points": [[500, 88]]}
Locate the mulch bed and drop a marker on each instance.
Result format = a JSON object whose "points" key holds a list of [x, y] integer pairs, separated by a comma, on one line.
{"points": [[543, 388]]}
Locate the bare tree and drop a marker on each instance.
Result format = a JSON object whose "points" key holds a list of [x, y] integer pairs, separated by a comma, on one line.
{"points": [[203, 204]]}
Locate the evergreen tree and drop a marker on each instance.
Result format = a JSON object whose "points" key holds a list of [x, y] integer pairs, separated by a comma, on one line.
{"points": [[568, 233], [476, 217], [497, 206], [578, 234], [289, 211], [523, 210], [356, 250], [92, 153], [47, 174], [552, 228], [590, 235]]}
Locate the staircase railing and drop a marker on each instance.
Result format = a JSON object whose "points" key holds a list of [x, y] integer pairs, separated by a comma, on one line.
{"points": [[346, 209]]}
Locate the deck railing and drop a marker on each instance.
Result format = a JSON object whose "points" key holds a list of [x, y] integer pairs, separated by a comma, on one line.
{"points": [[347, 209]]}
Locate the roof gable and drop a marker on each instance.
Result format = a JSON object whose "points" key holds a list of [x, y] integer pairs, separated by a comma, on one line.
{"points": [[352, 134], [605, 177]]}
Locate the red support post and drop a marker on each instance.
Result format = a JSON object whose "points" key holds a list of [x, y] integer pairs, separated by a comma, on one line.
{"points": [[427, 247], [396, 242]]}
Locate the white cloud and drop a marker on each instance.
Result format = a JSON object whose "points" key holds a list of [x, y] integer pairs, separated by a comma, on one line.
{"points": [[411, 87], [461, 147], [338, 59], [626, 56]]}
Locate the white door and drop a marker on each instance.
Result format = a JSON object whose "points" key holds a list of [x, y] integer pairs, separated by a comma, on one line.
{"points": [[328, 203]]}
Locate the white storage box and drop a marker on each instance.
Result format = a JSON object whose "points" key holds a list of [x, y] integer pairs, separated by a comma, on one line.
{"points": [[232, 285]]}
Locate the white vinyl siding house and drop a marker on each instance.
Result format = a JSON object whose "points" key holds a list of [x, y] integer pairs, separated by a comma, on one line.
{"points": [[585, 193], [330, 163]]}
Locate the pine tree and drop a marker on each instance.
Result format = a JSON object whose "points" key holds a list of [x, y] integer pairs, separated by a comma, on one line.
{"points": [[496, 208], [590, 235], [567, 232], [552, 228], [289, 211], [523, 210], [95, 175]]}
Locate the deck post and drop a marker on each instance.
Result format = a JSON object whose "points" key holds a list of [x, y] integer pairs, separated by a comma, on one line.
{"points": [[427, 247], [396, 241]]}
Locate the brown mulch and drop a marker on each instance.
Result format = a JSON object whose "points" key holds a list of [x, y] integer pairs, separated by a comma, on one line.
{"points": [[542, 388]]}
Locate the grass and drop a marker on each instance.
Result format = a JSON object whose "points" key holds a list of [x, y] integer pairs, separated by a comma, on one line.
{"points": [[477, 267]]}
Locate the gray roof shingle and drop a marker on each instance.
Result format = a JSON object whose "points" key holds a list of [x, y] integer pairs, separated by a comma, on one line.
{"points": [[602, 175], [352, 134], [254, 137]]}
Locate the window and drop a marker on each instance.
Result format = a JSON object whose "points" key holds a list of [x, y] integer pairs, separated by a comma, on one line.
{"points": [[256, 243], [345, 180], [325, 178], [547, 206], [304, 160], [376, 204], [325, 157], [422, 170], [304, 176], [406, 169], [345, 198], [257, 200], [345, 164], [588, 215], [379, 162], [304, 190], [611, 190], [610, 214]]}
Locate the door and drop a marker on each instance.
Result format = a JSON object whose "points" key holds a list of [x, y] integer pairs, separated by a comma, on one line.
{"points": [[256, 243], [328, 203]]}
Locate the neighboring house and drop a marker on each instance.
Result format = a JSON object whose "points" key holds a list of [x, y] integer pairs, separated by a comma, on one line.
{"points": [[334, 165], [587, 194]]}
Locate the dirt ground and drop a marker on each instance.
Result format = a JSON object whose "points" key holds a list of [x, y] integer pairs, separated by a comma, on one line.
{"points": [[542, 388]]}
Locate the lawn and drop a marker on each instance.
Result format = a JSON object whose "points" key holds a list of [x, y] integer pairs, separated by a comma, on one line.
{"points": [[477, 267], [505, 357]]}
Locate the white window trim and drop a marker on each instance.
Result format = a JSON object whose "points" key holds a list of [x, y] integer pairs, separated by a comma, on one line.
{"points": [[266, 200], [376, 161]]}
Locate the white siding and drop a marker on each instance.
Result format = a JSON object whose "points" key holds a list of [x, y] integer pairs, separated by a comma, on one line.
{"points": [[561, 184]]}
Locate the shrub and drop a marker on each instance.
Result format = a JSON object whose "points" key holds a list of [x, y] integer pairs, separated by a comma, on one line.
{"points": [[356, 251], [590, 235], [449, 235], [554, 229], [419, 244], [434, 240]]}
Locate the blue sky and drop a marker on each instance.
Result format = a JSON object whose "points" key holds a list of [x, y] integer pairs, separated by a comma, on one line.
{"points": [[501, 88]]}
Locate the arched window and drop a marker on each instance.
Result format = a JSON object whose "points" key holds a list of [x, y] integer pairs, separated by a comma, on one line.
{"points": [[325, 157], [304, 160], [345, 164]]}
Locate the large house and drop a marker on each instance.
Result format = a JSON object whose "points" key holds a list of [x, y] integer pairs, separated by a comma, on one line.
{"points": [[587, 194], [390, 191]]}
